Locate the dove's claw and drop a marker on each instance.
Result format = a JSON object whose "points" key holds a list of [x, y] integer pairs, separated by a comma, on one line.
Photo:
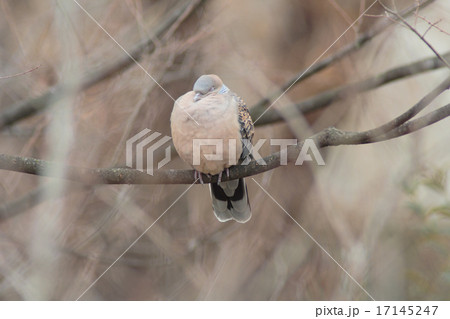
{"points": [[198, 175]]}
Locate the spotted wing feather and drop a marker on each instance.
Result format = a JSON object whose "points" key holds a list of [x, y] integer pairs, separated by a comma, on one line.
{"points": [[247, 129]]}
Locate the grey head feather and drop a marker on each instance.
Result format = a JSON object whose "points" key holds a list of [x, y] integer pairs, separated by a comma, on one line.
{"points": [[206, 84]]}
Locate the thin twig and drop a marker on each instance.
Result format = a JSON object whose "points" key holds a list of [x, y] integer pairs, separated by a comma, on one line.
{"points": [[430, 27], [422, 37], [434, 25], [19, 74]]}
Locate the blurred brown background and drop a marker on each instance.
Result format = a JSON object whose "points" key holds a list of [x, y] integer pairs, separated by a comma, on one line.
{"points": [[380, 210]]}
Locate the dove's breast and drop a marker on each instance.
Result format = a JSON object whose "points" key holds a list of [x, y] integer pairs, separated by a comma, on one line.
{"points": [[206, 133]]}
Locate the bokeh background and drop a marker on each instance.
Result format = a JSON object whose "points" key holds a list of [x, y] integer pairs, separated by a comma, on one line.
{"points": [[380, 210]]}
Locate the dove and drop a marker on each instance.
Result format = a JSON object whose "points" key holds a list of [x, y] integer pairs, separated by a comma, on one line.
{"points": [[212, 130]]}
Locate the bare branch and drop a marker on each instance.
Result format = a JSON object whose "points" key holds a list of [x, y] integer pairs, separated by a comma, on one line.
{"points": [[422, 37], [373, 135], [21, 110], [335, 137], [417, 124], [326, 98]]}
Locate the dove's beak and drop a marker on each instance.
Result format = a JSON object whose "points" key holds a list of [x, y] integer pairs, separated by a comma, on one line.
{"points": [[197, 97]]}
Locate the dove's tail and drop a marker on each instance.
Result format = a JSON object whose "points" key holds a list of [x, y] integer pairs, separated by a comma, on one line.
{"points": [[230, 201]]}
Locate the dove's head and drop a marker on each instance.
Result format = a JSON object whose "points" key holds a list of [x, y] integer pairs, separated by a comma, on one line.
{"points": [[207, 84]]}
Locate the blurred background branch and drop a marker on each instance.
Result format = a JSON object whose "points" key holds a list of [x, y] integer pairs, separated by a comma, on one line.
{"points": [[30, 107], [360, 42], [21, 110]]}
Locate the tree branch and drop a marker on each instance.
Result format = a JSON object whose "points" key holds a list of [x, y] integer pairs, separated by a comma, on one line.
{"points": [[372, 135], [335, 137], [328, 137], [24, 109], [326, 98]]}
